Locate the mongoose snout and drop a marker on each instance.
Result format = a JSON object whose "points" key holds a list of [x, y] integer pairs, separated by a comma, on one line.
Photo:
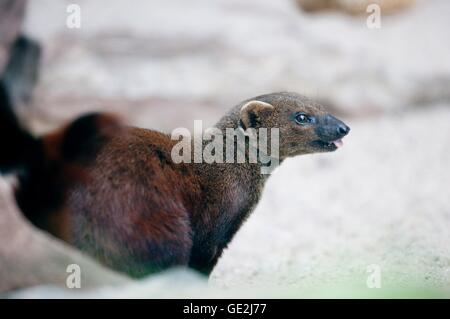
{"points": [[331, 130]]}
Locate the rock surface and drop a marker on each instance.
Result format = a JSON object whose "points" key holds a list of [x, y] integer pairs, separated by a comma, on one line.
{"points": [[170, 56], [11, 17], [355, 6], [29, 257]]}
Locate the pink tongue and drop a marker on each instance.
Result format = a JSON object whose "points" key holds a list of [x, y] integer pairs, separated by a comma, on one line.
{"points": [[338, 143]]}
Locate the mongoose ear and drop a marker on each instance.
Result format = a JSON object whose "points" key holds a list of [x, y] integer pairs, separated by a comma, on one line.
{"points": [[253, 114]]}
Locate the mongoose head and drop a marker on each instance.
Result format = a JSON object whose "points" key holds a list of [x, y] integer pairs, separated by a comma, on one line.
{"points": [[304, 125]]}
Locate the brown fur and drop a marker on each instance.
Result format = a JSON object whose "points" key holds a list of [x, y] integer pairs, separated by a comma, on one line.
{"points": [[138, 212]]}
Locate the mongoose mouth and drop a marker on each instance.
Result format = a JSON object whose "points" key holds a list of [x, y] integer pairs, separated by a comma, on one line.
{"points": [[330, 133], [329, 146]]}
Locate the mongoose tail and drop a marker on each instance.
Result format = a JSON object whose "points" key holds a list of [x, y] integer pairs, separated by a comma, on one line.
{"points": [[17, 143], [47, 165]]}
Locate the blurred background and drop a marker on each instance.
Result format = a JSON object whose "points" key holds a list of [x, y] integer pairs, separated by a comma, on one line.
{"points": [[324, 219]]}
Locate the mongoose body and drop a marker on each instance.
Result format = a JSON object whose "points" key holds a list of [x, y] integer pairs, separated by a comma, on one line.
{"points": [[116, 193]]}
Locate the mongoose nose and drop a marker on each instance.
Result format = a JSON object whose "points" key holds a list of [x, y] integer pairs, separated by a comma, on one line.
{"points": [[343, 129]]}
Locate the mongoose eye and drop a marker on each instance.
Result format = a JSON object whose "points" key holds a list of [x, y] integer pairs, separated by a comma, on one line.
{"points": [[302, 118]]}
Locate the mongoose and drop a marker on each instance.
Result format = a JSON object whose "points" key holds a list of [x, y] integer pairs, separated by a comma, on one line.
{"points": [[114, 191]]}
